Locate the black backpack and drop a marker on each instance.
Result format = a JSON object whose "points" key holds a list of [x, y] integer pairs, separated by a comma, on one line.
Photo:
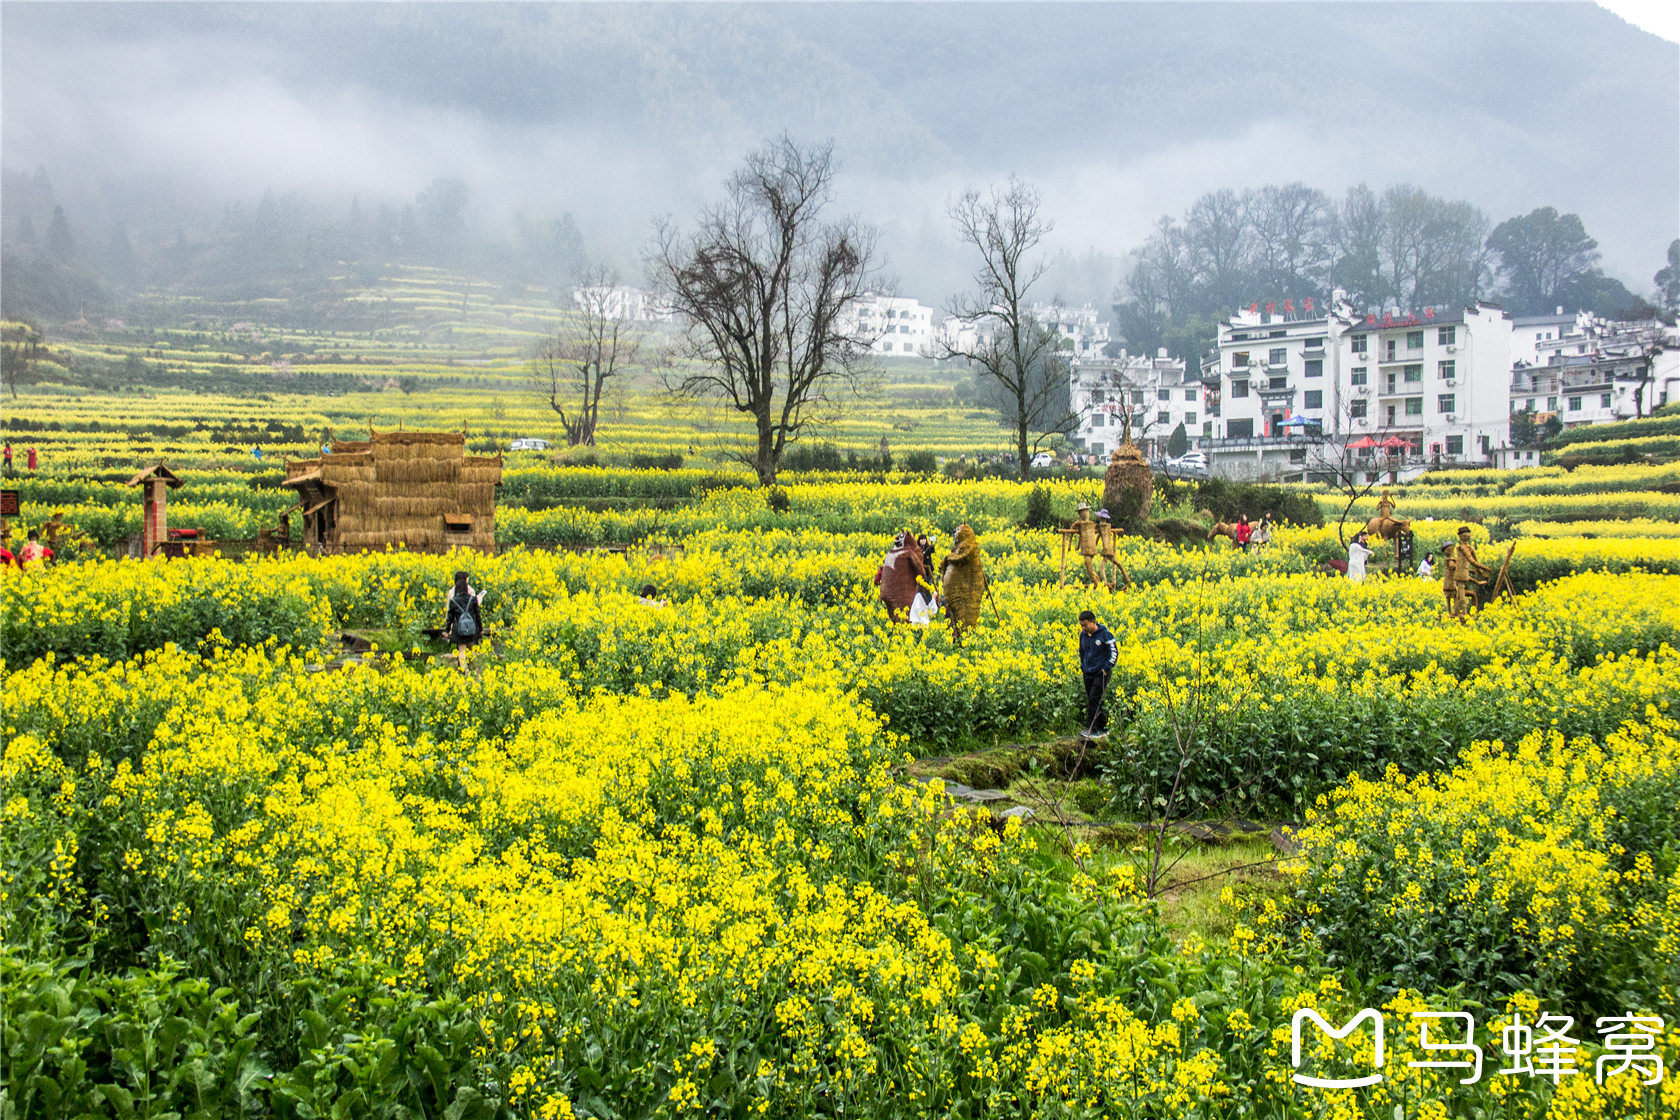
{"points": [[466, 626]]}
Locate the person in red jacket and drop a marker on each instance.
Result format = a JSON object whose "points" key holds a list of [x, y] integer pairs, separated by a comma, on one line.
{"points": [[1244, 532], [31, 457]]}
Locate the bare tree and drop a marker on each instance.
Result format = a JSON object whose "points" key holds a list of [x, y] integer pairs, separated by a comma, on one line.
{"points": [[1328, 457], [769, 291], [1647, 345], [1009, 346], [573, 365], [21, 346]]}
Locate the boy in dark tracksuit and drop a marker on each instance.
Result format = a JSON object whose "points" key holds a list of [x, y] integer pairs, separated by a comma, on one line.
{"points": [[1098, 652]]}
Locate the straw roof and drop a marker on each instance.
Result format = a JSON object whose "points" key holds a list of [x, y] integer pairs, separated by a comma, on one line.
{"points": [[418, 489]]}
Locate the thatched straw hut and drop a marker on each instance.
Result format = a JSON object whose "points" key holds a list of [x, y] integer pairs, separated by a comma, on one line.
{"points": [[418, 489]]}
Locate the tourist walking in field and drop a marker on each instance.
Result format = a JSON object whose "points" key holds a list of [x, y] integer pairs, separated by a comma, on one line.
{"points": [[1357, 554], [30, 458], [1098, 652], [897, 575], [8, 458], [464, 625], [1263, 532], [1243, 533]]}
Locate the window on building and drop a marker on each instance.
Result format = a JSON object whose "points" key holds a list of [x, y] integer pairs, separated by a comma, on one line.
{"points": [[1531, 403], [1278, 382], [1446, 402], [1297, 454], [1604, 400], [1239, 429], [1314, 399], [1278, 334], [1414, 340], [1574, 404], [1359, 343], [1240, 359], [1163, 394], [1455, 445], [1356, 409], [1315, 344], [909, 347], [1391, 344], [1096, 396], [1096, 449], [1315, 367], [1414, 406], [1190, 394], [1551, 404], [1447, 369], [903, 330], [1360, 376], [1278, 357], [1163, 417], [1239, 388], [1189, 419], [1414, 373], [1137, 396], [1096, 420], [1446, 336]]}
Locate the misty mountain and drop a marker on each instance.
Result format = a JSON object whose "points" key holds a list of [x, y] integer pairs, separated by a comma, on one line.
{"points": [[179, 121]]}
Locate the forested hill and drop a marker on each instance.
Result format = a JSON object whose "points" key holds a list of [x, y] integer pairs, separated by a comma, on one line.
{"points": [[169, 130]]}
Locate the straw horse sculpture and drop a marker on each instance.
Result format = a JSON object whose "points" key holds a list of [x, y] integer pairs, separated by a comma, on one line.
{"points": [[416, 489], [1385, 526]]}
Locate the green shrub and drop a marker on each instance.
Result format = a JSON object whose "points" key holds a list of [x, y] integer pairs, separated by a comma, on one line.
{"points": [[1230, 500]]}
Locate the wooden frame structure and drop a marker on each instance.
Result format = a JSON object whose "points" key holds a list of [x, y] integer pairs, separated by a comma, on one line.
{"points": [[158, 481]]}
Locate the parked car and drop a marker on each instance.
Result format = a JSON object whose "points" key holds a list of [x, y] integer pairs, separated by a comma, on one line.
{"points": [[1191, 462], [1043, 461], [529, 445]]}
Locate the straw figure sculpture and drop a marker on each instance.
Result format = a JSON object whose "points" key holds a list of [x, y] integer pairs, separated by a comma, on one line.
{"points": [[416, 489]]}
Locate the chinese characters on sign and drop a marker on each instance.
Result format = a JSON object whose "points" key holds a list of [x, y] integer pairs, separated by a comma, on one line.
{"points": [[1545, 1049]]}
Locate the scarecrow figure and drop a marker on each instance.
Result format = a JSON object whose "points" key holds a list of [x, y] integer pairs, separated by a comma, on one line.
{"points": [[1106, 532], [1087, 537], [963, 582], [897, 575], [1463, 571]]}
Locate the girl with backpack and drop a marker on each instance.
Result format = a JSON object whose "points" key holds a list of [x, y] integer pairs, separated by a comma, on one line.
{"points": [[464, 625]]}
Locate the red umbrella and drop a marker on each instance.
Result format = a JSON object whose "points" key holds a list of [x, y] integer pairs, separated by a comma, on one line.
{"points": [[1395, 443], [1362, 443]]}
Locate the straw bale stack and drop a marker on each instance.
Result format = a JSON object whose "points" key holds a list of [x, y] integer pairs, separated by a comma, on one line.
{"points": [[1128, 485], [406, 488]]}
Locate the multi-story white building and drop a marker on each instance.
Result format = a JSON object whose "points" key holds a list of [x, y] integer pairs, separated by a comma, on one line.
{"points": [[1291, 388], [898, 326], [624, 302], [1595, 372], [1153, 392], [1077, 329]]}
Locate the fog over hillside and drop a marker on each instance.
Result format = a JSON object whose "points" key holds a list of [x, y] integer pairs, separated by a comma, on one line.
{"points": [[161, 117]]}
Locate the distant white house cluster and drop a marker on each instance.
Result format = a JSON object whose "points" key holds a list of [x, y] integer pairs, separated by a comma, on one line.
{"points": [[1286, 386]]}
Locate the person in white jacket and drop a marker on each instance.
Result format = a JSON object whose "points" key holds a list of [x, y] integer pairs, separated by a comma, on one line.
{"points": [[1357, 553]]}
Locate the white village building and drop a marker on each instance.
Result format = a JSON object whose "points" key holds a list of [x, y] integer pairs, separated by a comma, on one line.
{"points": [[1592, 370], [1152, 392], [624, 302], [895, 326], [1289, 389]]}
